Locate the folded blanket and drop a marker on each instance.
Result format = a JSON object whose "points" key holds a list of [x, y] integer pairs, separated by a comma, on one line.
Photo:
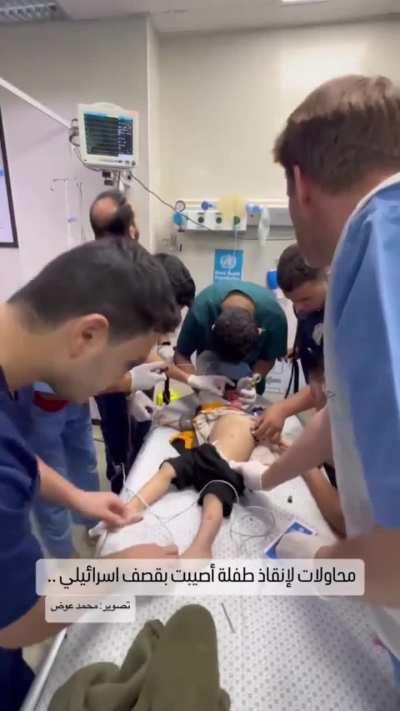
{"points": [[168, 668]]}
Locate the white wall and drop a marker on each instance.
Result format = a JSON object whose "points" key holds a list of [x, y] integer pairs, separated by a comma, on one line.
{"points": [[61, 65], [210, 108], [224, 98]]}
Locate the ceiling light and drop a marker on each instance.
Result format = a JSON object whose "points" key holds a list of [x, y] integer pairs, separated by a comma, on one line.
{"points": [[29, 11]]}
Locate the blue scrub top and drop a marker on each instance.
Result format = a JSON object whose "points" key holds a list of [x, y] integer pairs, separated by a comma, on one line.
{"points": [[366, 320], [19, 549], [366, 313]]}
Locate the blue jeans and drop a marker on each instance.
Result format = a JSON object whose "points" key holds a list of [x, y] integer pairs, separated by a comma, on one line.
{"points": [[123, 436], [64, 440]]}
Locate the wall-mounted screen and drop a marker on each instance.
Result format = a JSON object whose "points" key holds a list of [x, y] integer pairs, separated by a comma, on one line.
{"points": [[8, 231]]}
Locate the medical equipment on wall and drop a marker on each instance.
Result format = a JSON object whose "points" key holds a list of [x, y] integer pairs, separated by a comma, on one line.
{"points": [[104, 136], [264, 226], [109, 136], [225, 215], [231, 214]]}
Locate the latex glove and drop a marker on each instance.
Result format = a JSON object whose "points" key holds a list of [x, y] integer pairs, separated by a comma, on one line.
{"points": [[247, 392], [141, 407], [252, 473], [270, 424], [147, 375], [166, 352], [299, 545], [211, 383]]}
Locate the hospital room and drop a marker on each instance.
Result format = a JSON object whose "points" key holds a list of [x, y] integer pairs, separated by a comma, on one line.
{"points": [[199, 349]]}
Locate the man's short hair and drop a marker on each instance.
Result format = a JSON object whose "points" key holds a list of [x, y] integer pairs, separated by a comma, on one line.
{"points": [[293, 271], [122, 219], [180, 278], [234, 335], [115, 277], [343, 129]]}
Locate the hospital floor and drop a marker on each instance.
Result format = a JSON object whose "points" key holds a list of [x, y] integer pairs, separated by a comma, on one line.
{"points": [[36, 654]]}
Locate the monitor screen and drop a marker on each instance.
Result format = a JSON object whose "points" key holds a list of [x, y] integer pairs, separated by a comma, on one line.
{"points": [[109, 135], [8, 231]]}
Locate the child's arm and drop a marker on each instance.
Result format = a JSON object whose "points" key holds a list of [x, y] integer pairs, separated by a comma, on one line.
{"points": [[155, 488]]}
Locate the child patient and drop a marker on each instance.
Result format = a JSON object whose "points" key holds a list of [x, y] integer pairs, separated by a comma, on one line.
{"points": [[222, 433]]}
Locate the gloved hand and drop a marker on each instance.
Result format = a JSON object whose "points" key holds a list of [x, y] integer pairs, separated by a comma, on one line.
{"points": [[141, 407], [247, 392], [299, 545], [147, 375], [252, 473], [211, 383], [166, 352]]}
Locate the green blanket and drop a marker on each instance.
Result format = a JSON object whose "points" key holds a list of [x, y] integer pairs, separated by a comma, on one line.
{"points": [[168, 668]]}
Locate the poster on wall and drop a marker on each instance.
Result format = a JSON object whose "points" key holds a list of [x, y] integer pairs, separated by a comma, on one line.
{"points": [[228, 264], [8, 231]]}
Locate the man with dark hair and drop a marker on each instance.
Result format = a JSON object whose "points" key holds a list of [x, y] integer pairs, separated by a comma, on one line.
{"points": [[84, 320], [295, 276], [112, 214], [306, 287], [234, 335], [262, 312], [180, 279], [123, 433]]}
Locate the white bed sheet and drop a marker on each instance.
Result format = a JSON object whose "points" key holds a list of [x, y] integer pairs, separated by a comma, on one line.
{"points": [[285, 654], [183, 529]]}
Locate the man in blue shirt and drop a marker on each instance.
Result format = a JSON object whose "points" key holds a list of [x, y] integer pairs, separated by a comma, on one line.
{"points": [[84, 321], [341, 153]]}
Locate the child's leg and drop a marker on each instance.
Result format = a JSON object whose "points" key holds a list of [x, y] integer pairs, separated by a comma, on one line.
{"points": [[211, 519], [234, 441], [232, 434], [154, 489]]}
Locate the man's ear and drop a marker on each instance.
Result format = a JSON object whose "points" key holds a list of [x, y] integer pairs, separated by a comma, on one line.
{"points": [[300, 186], [134, 232], [88, 335]]}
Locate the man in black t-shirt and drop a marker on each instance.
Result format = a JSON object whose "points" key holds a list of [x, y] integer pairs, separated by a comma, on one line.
{"points": [[306, 288]]}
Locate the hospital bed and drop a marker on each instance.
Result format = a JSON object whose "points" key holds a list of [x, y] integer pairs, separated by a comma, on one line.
{"points": [[275, 653]]}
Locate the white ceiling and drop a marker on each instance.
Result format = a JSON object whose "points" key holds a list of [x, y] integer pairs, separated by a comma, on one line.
{"points": [[212, 15]]}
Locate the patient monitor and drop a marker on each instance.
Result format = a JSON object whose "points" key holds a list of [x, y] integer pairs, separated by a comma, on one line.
{"points": [[108, 136]]}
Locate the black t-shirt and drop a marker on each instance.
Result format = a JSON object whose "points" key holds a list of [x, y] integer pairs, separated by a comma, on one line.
{"points": [[310, 346], [309, 342]]}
